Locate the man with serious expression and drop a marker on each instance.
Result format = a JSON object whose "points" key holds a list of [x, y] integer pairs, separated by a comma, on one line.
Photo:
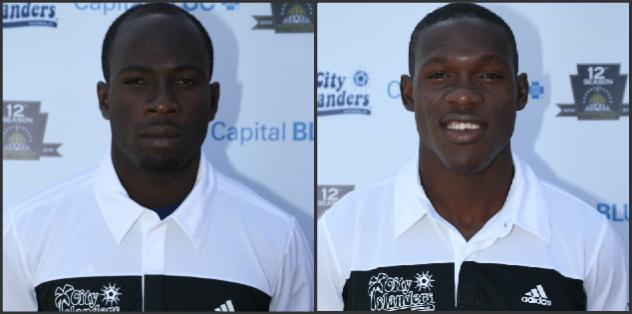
{"points": [[159, 104], [465, 92], [173, 232]]}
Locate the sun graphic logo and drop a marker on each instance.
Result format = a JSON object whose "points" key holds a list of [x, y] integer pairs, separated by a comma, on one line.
{"points": [[110, 294], [423, 281]]}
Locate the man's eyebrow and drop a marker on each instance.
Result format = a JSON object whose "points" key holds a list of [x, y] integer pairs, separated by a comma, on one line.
{"points": [[188, 67], [483, 58], [439, 60], [134, 68]]}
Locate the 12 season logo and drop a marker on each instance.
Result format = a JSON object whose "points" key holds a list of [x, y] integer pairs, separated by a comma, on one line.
{"points": [[343, 94]]}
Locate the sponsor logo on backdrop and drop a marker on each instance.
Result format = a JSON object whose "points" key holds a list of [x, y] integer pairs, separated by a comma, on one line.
{"points": [[536, 90], [598, 93], [106, 8], [396, 293], [392, 89], [23, 129], [330, 194], [287, 131], [340, 93], [614, 212], [288, 17], [28, 14], [70, 299]]}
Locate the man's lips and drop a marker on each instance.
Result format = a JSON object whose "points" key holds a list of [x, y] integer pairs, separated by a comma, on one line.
{"points": [[462, 128], [161, 136], [161, 131]]}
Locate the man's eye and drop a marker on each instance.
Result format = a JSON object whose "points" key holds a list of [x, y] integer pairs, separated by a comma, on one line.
{"points": [[491, 75], [186, 82], [134, 81], [437, 75]]}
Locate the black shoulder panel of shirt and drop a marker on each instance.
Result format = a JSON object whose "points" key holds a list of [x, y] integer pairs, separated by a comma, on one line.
{"points": [[162, 293], [482, 286]]}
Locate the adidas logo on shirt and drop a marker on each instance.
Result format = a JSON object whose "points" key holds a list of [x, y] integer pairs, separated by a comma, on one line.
{"points": [[536, 296], [226, 307]]}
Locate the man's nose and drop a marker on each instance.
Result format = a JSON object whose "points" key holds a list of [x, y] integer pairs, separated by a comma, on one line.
{"points": [[464, 93], [163, 100]]}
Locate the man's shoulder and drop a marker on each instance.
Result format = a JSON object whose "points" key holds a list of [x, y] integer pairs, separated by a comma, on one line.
{"points": [[368, 202], [48, 200], [247, 203], [567, 206]]}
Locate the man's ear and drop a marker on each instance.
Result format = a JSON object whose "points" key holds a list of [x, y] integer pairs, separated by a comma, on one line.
{"points": [[102, 95], [523, 90], [406, 92], [214, 92]]}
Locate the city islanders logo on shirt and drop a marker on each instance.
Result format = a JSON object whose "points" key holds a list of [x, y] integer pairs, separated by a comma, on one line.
{"points": [[396, 293], [598, 93], [70, 299]]}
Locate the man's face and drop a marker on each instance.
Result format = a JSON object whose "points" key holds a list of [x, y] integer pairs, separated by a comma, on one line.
{"points": [[158, 98], [464, 92]]}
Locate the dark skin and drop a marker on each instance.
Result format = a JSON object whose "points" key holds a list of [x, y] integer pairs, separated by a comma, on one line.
{"points": [[465, 94], [159, 104]]}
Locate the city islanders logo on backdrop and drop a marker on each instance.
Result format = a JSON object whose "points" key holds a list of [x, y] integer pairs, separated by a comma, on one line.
{"points": [[330, 194], [28, 14], [598, 93], [288, 17], [343, 94], [23, 131]]}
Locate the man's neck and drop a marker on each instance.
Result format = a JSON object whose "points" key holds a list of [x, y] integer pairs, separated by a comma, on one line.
{"points": [[467, 201], [156, 190]]}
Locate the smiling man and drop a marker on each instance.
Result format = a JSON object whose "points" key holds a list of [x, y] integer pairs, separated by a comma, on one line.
{"points": [[155, 226], [467, 224]]}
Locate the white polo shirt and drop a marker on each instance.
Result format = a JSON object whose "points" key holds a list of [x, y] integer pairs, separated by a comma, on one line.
{"points": [[386, 248], [86, 246]]}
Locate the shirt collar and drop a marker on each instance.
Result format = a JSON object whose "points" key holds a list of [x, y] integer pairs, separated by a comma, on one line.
{"points": [[525, 206], [121, 212]]}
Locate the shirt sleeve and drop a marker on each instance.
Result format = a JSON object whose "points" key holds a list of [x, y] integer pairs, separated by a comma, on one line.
{"points": [[328, 282], [17, 292], [294, 286], [607, 281]]}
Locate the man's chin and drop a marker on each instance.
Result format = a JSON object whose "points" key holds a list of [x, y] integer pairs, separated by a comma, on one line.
{"points": [[159, 164], [468, 165]]}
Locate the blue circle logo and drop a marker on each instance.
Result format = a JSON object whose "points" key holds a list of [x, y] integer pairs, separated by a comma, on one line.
{"points": [[360, 78]]}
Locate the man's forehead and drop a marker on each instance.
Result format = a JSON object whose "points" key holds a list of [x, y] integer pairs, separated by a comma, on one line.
{"points": [[158, 39], [463, 36], [160, 24]]}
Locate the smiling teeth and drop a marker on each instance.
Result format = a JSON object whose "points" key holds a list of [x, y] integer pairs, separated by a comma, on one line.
{"points": [[462, 126]]}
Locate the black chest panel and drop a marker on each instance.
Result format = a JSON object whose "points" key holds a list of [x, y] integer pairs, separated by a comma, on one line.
{"points": [[430, 287], [162, 293]]}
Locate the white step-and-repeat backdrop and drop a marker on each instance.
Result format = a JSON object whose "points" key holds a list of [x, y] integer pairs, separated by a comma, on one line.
{"points": [[264, 131], [580, 144]]}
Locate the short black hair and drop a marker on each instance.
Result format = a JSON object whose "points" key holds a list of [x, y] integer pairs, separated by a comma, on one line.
{"points": [[459, 10], [148, 9]]}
